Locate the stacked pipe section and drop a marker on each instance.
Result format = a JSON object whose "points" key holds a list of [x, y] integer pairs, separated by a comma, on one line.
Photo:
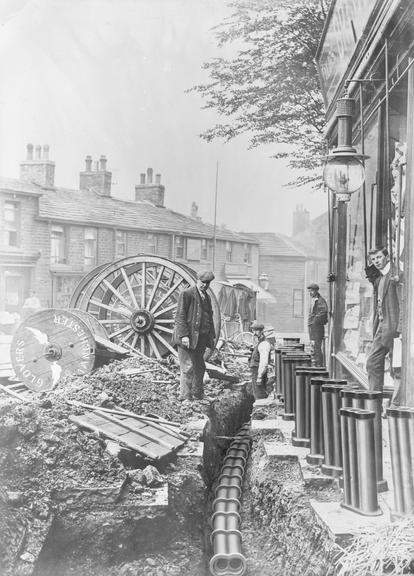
{"points": [[331, 423], [370, 400], [359, 466], [301, 434], [290, 361], [227, 559], [401, 433], [285, 349]]}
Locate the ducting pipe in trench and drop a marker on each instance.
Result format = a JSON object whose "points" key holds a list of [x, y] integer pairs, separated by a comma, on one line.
{"points": [[401, 432], [358, 452], [227, 558]]}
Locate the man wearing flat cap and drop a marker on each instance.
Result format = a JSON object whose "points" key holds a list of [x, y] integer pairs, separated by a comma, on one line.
{"points": [[318, 317], [259, 361], [193, 333]]}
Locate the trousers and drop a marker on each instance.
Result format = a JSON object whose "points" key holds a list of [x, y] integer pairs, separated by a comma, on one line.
{"points": [[192, 369], [259, 389], [316, 352], [376, 362]]}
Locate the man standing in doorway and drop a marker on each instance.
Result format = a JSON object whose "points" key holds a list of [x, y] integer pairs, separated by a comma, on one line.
{"points": [[318, 317], [193, 333], [259, 361], [386, 323]]}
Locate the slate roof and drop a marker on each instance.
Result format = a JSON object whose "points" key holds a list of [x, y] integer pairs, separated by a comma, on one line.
{"points": [[22, 186], [271, 244], [90, 208]]}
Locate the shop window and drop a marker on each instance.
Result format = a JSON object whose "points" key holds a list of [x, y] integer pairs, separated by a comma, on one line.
{"points": [[180, 247], [204, 249], [14, 286], [152, 243], [229, 252], [58, 245], [247, 254], [120, 244], [90, 254], [12, 224], [193, 249], [298, 303]]}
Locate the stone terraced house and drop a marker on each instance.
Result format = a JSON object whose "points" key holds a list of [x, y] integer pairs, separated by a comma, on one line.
{"points": [[50, 236]]}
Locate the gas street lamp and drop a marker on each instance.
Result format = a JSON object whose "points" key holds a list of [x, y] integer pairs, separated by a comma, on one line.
{"points": [[344, 170]]}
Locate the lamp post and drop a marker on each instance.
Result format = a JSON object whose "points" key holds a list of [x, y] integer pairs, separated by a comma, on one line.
{"points": [[343, 173]]}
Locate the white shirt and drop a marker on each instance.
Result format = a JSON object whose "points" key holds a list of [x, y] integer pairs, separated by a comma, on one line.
{"points": [[264, 351]]}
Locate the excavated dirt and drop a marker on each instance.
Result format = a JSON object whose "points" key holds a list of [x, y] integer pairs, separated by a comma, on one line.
{"points": [[96, 511]]}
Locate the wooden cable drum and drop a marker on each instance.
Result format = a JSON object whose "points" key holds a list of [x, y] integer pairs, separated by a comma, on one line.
{"points": [[136, 298], [54, 343]]}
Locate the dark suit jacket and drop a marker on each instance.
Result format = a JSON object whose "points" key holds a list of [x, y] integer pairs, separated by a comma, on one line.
{"points": [[390, 308], [317, 318], [188, 318]]}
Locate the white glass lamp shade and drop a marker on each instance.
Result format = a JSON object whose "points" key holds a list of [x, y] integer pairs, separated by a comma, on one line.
{"points": [[343, 174]]}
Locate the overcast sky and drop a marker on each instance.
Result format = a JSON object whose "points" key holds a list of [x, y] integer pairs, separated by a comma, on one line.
{"points": [[109, 77]]}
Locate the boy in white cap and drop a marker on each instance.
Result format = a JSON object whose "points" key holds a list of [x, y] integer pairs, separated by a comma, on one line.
{"points": [[318, 317], [193, 333], [259, 361]]}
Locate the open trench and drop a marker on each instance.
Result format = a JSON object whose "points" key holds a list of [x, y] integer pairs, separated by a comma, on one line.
{"points": [[166, 531]]}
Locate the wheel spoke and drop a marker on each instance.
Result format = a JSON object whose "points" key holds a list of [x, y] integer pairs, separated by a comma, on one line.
{"points": [[167, 295], [111, 308], [166, 344], [142, 344], [117, 294], [165, 310], [128, 285], [157, 283], [144, 284], [120, 321], [163, 329], [154, 346], [165, 321], [120, 331], [135, 340], [127, 336]]}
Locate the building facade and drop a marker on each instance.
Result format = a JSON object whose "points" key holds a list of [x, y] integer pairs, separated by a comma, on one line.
{"points": [[52, 236], [367, 50]]}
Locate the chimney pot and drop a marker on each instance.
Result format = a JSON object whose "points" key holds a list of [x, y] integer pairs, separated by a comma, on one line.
{"points": [[46, 152], [149, 175], [102, 162], [142, 176], [38, 152], [157, 178], [88, 164], [29, 149]]}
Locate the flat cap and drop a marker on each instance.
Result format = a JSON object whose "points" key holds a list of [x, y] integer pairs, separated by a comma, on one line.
{"points": [[205, 276], [257, 326], [313, 286]]}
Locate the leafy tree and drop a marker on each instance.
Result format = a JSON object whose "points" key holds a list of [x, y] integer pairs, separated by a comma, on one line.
{"points": [[269, 89]]}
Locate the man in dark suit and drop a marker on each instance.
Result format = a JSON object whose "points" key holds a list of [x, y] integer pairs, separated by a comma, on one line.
{"points": [[386, 324], [318, 317], [193, 333]]}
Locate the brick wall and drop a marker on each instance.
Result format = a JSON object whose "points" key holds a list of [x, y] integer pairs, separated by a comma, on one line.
{"points": [[285, 275]]}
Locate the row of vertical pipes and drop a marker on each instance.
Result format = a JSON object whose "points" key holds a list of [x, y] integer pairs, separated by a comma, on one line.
{"points": [[227, 559], [340, 424]]}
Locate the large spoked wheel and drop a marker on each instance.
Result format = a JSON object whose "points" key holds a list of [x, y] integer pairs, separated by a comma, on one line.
{"points": [[135, 299]]}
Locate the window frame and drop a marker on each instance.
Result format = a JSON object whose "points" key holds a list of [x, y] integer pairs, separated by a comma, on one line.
{"points": [[63, 256], [123, 243], [295, 293], [89, 261], [180, 244], [12, 226]]}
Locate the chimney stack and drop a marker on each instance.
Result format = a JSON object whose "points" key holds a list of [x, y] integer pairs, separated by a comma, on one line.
{"points": [[40, 169], [150, 192], [98, 180], [194, 211], [301, 220]]}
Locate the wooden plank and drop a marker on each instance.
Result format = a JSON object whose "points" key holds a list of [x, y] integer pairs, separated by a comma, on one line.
{"points": [[83, 422], [152, 447], [134, 429], [14, 394]]}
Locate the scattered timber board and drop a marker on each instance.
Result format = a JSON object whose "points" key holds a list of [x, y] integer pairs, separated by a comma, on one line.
{"points": [[143, 437], [17, 390]]}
